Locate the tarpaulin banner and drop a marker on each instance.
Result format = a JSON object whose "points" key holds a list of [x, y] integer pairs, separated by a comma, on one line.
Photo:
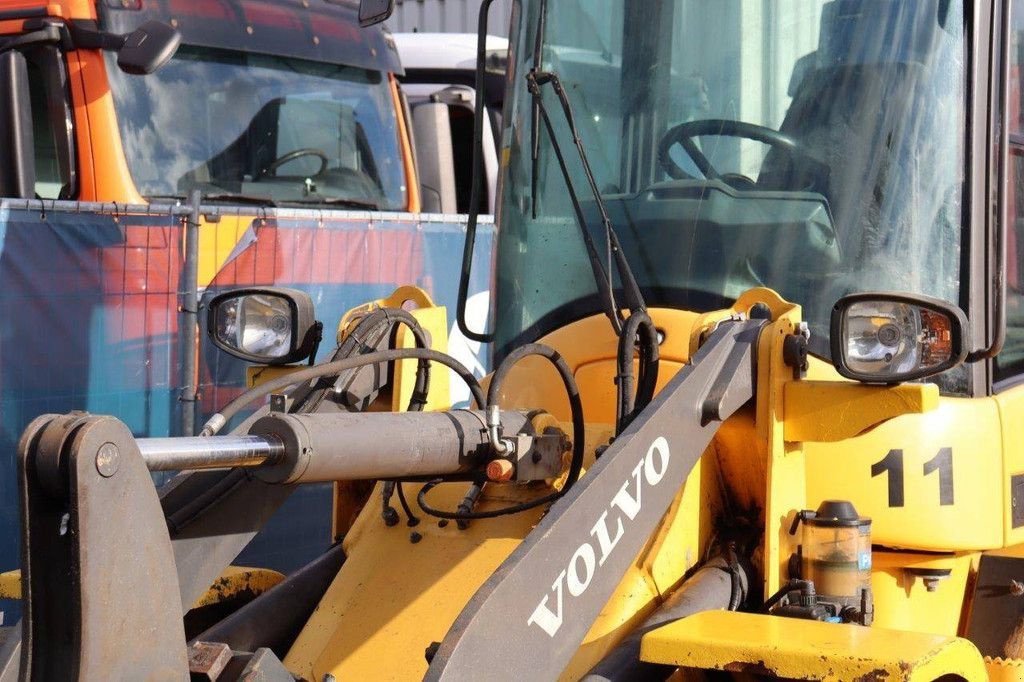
{"points": [[91, 317]]}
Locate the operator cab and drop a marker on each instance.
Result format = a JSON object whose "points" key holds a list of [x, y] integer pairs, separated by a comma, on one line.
{"points": [[796, 157]]}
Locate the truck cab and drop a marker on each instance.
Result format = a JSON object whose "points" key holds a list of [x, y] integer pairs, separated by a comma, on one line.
{"points": [[273, 103]]}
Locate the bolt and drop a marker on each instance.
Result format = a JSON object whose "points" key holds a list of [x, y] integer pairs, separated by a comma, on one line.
{"points": [[931, 584], [1016, 588], [107, 460]]}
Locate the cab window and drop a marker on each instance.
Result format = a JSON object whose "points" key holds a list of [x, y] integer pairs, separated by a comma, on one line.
{"points": [[51, 124]]}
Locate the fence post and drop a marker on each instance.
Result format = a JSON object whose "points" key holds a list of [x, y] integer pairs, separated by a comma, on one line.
{"points": [[190, 318]]}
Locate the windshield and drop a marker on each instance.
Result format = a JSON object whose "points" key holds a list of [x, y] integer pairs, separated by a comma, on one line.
{"points": [[813, 147], [262, 126]]}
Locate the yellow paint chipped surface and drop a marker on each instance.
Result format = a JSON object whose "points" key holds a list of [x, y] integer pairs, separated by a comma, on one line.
{"points": [[801, 649]]}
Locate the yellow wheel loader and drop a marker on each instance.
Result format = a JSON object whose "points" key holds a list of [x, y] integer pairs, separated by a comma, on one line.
{"points": [[756, 411]]}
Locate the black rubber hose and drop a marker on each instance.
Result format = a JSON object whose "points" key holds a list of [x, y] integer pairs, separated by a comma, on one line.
{"points": [[333, 368], [493, 391], [366, 333], [638, 326]]}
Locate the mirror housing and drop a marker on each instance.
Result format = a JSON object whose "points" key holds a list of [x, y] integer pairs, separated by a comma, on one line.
{"points": [[374, 11], [889, 338], [17, 145], [139, 53], [148, 48], [267, 325]]}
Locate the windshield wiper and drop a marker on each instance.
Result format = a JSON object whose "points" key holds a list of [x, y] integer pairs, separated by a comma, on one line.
{"points": [[335, 201], [230, 197], [638, 331], [536, 79], [249, 199]]}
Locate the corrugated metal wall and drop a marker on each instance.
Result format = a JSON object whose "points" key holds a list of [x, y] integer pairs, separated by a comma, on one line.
{"points": [[448, 16]]}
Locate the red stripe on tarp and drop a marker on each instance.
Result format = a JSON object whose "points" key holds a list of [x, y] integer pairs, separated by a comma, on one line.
{"points": [[318, 256]]}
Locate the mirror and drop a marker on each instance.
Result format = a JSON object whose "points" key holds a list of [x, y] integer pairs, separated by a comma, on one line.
{"points": [[890, 338], [148, 47], [17, 145], [374, 11], [269, 325]]}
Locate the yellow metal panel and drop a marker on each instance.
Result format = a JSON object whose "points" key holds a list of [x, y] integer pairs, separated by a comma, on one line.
{"points": [[903, 600], [829, 411], [591, 343], [597, 386], [10, 585], [785, 486], [1011, 415], [392, 597], [802, 649], [929, 481]]}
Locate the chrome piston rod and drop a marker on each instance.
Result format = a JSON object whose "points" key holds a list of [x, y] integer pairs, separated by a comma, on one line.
{"points": [[216, 452], [310, 448]]}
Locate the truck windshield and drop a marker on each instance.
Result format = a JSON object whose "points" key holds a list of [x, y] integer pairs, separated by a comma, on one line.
{"points": [[814, 147], [288, 130]]}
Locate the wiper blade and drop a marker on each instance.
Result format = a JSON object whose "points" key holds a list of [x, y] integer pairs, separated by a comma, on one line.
{"points": [[240, 199], [336, 201]]}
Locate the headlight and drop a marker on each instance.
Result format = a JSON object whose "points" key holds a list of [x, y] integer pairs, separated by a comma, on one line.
{"points": [[270, 325], [889, 338]]}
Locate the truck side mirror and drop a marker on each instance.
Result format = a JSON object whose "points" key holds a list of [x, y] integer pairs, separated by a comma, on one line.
{"points": [[148, 47], [374, 11], [17, 145]]}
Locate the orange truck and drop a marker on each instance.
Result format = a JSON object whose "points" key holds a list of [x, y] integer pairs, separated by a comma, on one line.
{"points": [[263, 103]]}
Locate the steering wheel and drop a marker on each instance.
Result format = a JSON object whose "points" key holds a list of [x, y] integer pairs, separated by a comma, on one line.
{"points": [[684, 134], [271, 170]]}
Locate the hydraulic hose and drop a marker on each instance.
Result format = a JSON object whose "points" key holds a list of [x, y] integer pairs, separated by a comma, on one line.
{"points": [[638, 327], [493, 392], [367, 332], [333, 368]]}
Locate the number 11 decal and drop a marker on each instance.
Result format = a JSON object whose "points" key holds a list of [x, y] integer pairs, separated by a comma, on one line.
{"points": [[892, 464]]}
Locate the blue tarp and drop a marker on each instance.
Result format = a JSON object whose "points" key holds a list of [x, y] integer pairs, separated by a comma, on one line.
{"points": [[90, 320]]}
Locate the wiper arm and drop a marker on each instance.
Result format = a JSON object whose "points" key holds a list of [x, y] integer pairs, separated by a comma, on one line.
{"points": [[634, 298]]}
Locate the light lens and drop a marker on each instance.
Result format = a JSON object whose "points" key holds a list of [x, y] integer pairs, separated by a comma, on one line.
{"points": [[257, 324], [889, 339]]}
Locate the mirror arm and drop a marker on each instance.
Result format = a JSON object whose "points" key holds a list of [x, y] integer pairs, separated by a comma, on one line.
{"points": [[87, 36], [48, 34]]}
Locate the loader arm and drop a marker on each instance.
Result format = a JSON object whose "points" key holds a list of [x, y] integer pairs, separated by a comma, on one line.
{"points": [[99, 560], [531, 616]]}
